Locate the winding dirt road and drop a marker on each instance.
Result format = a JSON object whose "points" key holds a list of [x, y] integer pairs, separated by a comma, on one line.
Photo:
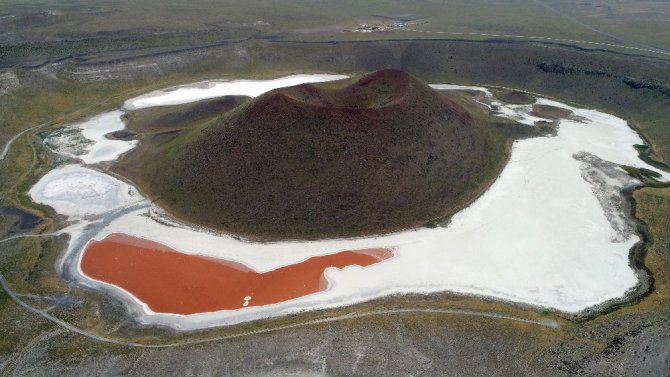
{"points": [[13, 295]]}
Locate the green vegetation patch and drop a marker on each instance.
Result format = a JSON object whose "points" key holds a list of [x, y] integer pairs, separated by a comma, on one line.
{"points": [[513, 97], [653, 207], [551, 112], [642, 174]]}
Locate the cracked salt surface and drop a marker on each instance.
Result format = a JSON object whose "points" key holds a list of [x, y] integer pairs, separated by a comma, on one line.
{"points": [[87, 142], [548, 232], [607, 181], [78, 192]]}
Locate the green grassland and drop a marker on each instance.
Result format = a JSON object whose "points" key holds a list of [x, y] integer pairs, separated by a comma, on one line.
{"points": [[33, 29]]}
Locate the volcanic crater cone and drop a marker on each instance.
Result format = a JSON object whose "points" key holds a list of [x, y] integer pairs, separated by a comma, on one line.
{"points": [[383, 153]]}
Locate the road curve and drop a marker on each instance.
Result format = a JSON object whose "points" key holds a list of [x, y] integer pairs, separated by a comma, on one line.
{"points": [[8, 145], [5, 286]]}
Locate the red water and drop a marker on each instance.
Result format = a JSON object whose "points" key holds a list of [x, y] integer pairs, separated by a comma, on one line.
{"points": [[172, 282]]}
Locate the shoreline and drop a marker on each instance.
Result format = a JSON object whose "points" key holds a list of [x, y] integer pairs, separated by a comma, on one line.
{"points": [[469, 294]]}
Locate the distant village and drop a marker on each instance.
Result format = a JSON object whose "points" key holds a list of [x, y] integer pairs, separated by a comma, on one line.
{"points": [[389, 26]]}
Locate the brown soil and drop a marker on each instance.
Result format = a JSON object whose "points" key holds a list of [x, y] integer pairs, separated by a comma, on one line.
{"points": [[514, 97], [551, 112]]}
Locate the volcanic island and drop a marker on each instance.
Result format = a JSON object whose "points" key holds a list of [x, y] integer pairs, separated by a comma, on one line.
{"points": [[368, 155]]}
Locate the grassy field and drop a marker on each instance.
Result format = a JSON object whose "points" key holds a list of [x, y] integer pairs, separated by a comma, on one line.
{"points": [[32, 29]]}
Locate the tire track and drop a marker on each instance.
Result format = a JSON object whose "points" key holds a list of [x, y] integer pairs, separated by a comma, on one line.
{"points": [[539, 38], [9, 143], [355, 315], [607, 34]]}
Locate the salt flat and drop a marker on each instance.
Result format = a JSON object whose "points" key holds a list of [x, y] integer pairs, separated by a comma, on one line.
{"points": [[77, 191], [211, 89], [91, 146], [541, 235]]}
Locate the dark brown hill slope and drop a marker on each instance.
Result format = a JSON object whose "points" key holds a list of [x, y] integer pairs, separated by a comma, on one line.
{"points": [[383, 153]]}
